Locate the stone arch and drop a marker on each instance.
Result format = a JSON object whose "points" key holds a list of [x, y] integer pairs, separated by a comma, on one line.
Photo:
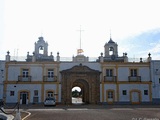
{"points": [[84, 77], [83, 84]]}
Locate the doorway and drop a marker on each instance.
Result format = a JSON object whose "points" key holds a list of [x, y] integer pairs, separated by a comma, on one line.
{"points": [[135, 96], [24, 97]]}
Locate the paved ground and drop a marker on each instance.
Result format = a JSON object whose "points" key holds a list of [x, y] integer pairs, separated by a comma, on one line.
{"points": [[90, 112], [85, 113], [93, 112]]}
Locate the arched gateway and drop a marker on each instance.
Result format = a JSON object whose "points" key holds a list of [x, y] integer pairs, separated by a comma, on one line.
{"points": [[85, 78]]}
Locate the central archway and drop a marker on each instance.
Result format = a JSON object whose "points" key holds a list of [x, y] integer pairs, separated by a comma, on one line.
{"points": [[83, 84], [84, 77]]}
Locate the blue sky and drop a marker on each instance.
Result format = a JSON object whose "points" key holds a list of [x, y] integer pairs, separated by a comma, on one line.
{"points": [[134, 25]]}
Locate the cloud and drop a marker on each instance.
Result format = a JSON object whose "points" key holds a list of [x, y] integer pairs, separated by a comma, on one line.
{"points": [[143, 43]]}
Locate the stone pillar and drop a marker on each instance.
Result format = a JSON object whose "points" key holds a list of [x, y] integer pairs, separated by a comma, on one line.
{"points": [[8, 57], [149, 57], [125, 57], [101, 58], [33, 57], [58, 57]]}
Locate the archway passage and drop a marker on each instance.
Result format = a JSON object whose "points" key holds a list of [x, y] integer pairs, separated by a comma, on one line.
{"points": [[83, 96], [77, 95], [85, 78]]}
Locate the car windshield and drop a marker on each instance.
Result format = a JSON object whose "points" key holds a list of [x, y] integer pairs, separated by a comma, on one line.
{"points": [[50, 99]]}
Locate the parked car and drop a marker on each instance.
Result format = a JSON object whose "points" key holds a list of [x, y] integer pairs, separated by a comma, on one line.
{"points": [[50, 101]]}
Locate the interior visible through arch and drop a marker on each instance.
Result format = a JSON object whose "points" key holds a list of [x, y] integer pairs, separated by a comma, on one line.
{"points": [[77, 95]]}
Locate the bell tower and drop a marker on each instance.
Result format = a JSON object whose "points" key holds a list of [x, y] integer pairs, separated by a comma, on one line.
{"points": [[111, 49], [41, 47], [41, 52], [111, 53]]}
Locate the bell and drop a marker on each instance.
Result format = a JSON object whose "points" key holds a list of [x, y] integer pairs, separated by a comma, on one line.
{"points": [[41, 47], [110, 49]]}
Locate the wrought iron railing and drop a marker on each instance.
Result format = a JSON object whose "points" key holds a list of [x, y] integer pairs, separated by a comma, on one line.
{"points": [[50, 78], [24, 78], [134, 78], [110, 78]]}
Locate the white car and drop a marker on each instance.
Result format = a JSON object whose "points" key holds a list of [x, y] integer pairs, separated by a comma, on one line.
{"points": [[50, 101]]}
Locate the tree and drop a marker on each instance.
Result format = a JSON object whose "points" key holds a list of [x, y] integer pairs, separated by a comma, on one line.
{"points": [[75, 93]]}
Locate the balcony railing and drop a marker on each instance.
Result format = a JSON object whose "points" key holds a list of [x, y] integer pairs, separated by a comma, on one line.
{"points": [[134, 78], [50, 79], [24, 79], [110, 79]]}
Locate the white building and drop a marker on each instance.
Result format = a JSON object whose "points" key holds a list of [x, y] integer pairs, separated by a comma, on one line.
{"points": [[2, 77], [124, 81], [155, 76], [109, 79]]}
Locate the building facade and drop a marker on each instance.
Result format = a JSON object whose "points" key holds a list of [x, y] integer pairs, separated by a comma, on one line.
{"points": [[155, 76], [109, 79], [2, 77]]}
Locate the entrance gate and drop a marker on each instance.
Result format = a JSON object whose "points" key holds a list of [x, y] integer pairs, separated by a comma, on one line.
{"points": [[84, 77]]}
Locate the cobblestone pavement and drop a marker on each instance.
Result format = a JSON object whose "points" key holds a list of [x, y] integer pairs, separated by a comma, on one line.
{"points": [[93, 112]]}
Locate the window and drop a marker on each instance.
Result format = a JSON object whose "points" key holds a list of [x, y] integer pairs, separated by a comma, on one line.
{"points": [[133, 72], [159, 80], [50, 94], [11, 93], [109, 72], [25, 73], [124, 92], [110, 94], [50, 73], [35, 92], [145, 92]]}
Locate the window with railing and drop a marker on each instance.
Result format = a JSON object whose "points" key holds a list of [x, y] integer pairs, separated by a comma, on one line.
{"points": [[50, 77], [109, 76], [134, 76], [25, 75]]}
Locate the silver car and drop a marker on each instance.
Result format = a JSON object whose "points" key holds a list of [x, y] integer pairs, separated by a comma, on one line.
{"points": [[50, 101]]}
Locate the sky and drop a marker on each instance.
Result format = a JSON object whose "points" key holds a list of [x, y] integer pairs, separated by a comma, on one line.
{"points": [[133, 24]]}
